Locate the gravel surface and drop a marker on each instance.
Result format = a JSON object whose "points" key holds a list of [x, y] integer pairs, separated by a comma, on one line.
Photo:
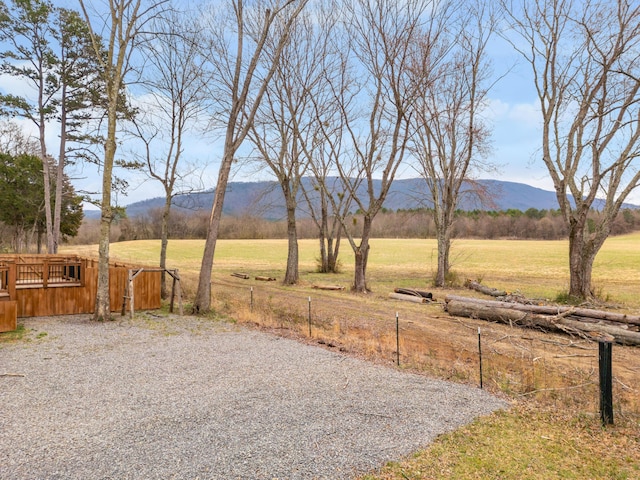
{"points": [[186, 398]]}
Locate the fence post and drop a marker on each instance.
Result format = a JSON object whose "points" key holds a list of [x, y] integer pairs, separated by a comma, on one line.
{"points": [[45, 273], [309, 316], [398, 338], [606, 382], [480, 355], [251, 301]]}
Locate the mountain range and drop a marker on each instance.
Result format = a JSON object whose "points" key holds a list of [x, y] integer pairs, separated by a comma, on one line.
{"points": [[265, 199]]}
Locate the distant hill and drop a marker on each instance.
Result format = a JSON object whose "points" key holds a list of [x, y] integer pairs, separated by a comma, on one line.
{"points": [[265, 199]]}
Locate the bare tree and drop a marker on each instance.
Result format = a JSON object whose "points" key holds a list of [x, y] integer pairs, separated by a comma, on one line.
{"points": [[123, 26], [586, 70], [175, 81], [383, 35], [450, 138], [285, 130], [325, 200], [242, 81], [14, 141]]}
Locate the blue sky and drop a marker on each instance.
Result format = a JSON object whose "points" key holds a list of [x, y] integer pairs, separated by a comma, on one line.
{"points": [[512, 111]]}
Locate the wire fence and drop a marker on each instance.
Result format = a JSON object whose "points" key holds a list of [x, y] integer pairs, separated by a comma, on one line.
{"points": [[552, 368]]}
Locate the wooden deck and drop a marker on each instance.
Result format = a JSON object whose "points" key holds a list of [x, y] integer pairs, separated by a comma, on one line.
{"points": [[44, 285]]}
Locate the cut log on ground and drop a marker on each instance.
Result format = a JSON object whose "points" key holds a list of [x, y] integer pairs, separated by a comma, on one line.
{"points": [[328, 287], [244, 276], [493, 292], [408, 298], [556, 310], [472, 308], [414, 292], [265, 279]]}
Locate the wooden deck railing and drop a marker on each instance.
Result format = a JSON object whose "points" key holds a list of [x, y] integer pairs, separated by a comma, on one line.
{"points": [[4, 279], [49, 273]]}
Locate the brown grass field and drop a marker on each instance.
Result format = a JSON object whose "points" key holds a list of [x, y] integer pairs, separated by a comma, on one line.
{"points": [[552, 430]]}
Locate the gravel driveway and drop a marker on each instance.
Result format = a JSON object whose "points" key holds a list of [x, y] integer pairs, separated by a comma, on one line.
{"points": [[185, 398]]}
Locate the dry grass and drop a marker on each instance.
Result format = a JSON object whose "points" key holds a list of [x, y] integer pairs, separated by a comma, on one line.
{"points": [[553, 430], [538, 269]]}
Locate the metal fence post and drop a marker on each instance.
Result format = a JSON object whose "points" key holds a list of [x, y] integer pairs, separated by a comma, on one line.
{"points": [[606, 382]]}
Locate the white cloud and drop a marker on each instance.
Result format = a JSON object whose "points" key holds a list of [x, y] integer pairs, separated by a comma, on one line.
{"points": [[525, 113]]}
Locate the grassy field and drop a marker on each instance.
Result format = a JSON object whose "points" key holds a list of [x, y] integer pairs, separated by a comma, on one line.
{"points": [[538, 269], [552, 429]]}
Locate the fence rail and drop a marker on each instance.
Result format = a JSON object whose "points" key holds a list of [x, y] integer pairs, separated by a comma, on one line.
{"points": [[4, 279], [49, 273]]}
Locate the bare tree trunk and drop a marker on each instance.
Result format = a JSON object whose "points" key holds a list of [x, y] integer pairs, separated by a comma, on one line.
{"points": [[325, 241], [333, 246], [46, 170], [202, 302], [329, 238], [103, 303], [164, 242], [360, 273], [57, 213], [324, 255], [581, 257], [361, 258], [333, 255], [444, 246], [291, 276]]}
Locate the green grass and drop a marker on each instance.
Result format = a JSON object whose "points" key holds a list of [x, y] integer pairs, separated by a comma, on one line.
{"points": [[13, 336], [523, 443]]}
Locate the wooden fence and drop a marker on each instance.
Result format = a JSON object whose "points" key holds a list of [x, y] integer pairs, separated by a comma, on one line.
{"points": [[8, 304], [44, 285]]}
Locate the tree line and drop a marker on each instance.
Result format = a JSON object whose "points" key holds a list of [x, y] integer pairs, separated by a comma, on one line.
{"points": [[22, 202], [345, 92], [532, 224]]}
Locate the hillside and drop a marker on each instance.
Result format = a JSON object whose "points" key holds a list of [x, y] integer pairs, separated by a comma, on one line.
{"points": [[265, 199]]}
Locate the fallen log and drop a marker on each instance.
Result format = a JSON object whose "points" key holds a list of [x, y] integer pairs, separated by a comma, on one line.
{"points": [[557, 323], [408, 298], [265, 279], [554, 310], [244, 276], [328, 287], [414, 292], [493, 292]]}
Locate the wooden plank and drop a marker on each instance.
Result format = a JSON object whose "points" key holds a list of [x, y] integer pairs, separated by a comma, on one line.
{"points": [[8, 316]]}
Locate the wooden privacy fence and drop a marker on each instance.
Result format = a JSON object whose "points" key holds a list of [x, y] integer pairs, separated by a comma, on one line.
{"points": [[8, 305], [44, 285]]}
